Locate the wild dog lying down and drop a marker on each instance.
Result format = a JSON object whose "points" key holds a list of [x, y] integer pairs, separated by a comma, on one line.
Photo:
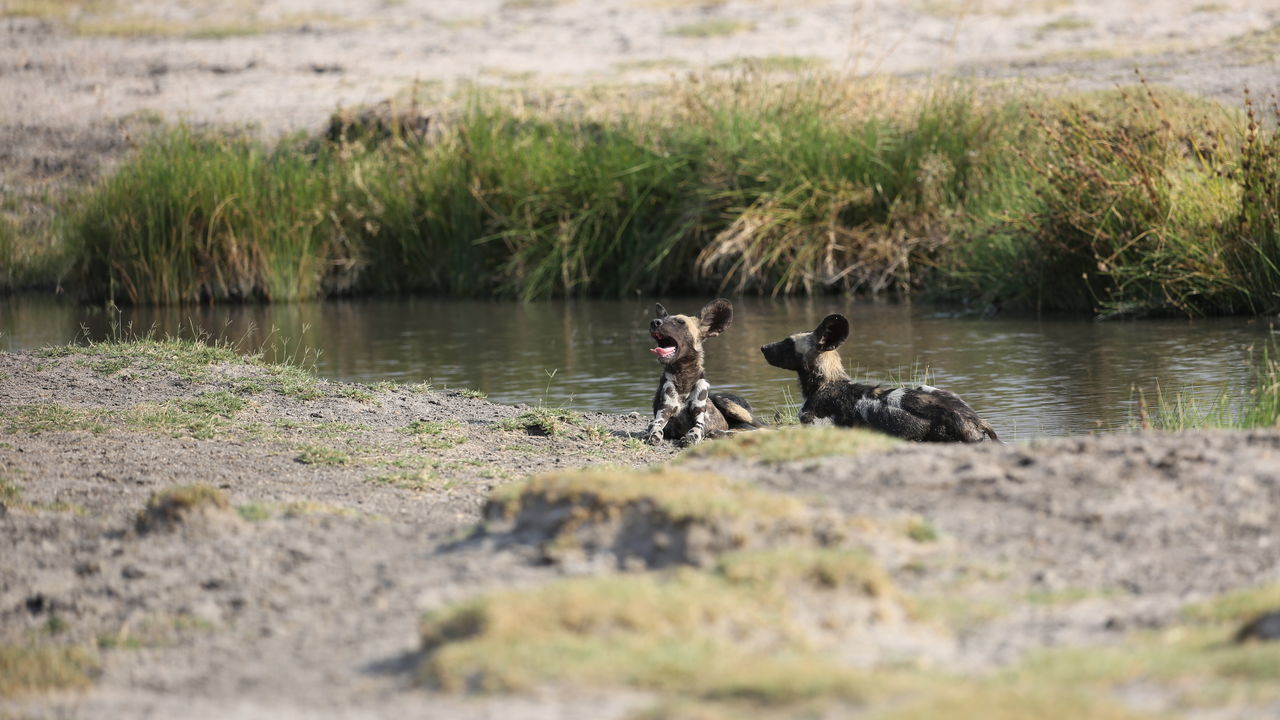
{"points": [[684, 408], [920, 413]]}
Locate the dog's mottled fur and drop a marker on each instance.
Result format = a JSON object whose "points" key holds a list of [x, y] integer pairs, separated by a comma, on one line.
{"points": [[920, 413], [684, 408]]}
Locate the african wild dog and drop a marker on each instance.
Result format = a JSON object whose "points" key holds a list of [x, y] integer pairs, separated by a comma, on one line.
{"points": [[920, 413], [684, 408]]}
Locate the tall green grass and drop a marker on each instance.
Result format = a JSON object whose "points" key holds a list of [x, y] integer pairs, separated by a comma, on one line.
{"points": [[1144, 201], [196, 218], [751, 186], [524, 206], [29, 258], [1138, 201], [8, 254]]}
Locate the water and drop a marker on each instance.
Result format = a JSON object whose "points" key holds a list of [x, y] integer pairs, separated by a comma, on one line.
{"points": [[1029, 377]]}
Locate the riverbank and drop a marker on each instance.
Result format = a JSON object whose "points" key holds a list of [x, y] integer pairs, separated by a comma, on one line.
{"points": [[193, 530], [1129, 202], [682, 148]]}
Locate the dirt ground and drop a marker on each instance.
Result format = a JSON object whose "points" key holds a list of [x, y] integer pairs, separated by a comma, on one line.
{"points": [[352, 507]]}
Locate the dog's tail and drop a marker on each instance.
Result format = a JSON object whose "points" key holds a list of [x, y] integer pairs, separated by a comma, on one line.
{"points": [[736, 411], [989, 431]]}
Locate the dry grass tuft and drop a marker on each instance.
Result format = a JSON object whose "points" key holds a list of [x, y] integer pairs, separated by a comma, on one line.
{"points": [[170, 508], [719, 635], [32, 669], [787, 444]]}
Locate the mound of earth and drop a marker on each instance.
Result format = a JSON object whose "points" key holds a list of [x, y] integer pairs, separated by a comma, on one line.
{"points": [[635, 520]]}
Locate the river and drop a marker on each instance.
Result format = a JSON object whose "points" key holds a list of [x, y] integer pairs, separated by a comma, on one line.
{"points": [[1028, 376]]}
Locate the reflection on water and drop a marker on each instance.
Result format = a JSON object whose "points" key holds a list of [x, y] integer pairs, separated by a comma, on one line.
{"points": [[1027, 376]]}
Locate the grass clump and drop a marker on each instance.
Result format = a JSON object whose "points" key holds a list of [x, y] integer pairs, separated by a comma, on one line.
{"points": [[176, 419], [921, 530], [167, 509], [253, 512], [321, 455], [676, 494], [1191, 667], [541, 420], [29, 259], [657, 518], [1143, 201], [991, 701], [1263, 409], [195, 218], [1197, 666], [194, 418], [1235, 606], [1258, 408], [48, 417], [32, 669], [772, 446], [10, 492], [357, 394], [678, 633], [190, 359], [824, 568], [220, 403]]}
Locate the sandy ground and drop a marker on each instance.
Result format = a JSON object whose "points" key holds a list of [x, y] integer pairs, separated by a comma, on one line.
{"points": [[347, 557], [306, 602], [75, 83]]}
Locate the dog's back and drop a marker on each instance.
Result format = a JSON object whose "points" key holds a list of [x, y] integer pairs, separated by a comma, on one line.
{"points": [[919, 413]]}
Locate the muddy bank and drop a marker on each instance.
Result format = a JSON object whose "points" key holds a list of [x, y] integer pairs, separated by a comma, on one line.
{"points": [[341, 513]]}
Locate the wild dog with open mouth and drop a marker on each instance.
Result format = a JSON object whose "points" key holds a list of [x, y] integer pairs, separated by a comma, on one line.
{"points": [[920, 413], [684, 408]]}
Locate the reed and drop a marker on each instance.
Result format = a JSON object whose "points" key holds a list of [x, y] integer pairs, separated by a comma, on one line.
{"points": [[199, 218], [30, 257], [1144, 201], [521, 205], [1263, 407], [1259, 407], [1137, 201], [8, 255]]}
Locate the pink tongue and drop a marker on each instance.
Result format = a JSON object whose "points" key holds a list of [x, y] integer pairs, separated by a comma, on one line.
{"points": [[663, 351]]}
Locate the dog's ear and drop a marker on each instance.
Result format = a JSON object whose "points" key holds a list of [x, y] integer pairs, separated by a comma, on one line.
{"points": [[659, 311], [715, 317], [833, 330]]}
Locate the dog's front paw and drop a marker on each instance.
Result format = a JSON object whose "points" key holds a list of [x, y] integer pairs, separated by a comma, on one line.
{"points": [[691, 438], [654, 438]]}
